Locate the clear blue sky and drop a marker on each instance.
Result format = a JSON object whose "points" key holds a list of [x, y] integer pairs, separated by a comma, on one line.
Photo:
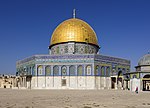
{"points": [[122, 27]]}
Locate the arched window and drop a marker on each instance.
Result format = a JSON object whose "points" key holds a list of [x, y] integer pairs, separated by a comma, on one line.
{"points": [[63, 70], [97, 70], [120, 73], [30, 71], [107, 71], [72, 70], [102, 71], [48, 70], [55, 70], [27, 70], [40, 70], [57, 49], [88, 70], [112, 71], [80, 70], [128, 70], [147, 76], [134, 76], [24, 69], [123, 70], [33, 70]]}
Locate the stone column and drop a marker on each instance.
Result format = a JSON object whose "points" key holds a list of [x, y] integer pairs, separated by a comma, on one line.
{"points": [[36, 75], [44, 74]]}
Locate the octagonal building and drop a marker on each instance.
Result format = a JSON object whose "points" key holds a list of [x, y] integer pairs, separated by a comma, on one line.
{"points": [[73, 62], [141, 76]]}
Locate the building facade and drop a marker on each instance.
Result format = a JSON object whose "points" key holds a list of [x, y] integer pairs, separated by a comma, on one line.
{"points": [[73, 62], [8, 81], [141, 77]]}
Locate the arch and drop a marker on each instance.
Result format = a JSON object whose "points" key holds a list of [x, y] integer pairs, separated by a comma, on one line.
{"points": [[27, 71], [102, 71], [107, 71], [33, 70], [120, 73], [47, 70], [63, 70], [88, 70], [24, 69], [119, 69], [40, 70], [146, 82], [134, 76], [56, 70], [113, 70], [147, 76], [123, 70], [97, 70], [72, 70], [80, 70]]}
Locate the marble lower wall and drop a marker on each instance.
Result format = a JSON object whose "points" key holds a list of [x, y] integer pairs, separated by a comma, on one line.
{"points": [[70, 82]]}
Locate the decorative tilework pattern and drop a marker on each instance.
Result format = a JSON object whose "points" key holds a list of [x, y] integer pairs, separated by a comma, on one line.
{"points": [[74, 48], [25, 66]]}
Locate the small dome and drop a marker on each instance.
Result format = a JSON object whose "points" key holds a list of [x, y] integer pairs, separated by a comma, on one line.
{"points": [[145, 60], [74, 30]]}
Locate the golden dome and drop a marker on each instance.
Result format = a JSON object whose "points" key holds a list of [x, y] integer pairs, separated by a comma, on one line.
{"points": [[74, 30]]}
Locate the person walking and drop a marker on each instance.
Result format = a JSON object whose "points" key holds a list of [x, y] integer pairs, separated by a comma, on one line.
{"points": [[136, 90]]}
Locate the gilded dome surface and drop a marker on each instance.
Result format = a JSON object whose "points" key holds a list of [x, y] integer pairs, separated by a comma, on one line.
{"points": [[74, 30], [145, 60]]}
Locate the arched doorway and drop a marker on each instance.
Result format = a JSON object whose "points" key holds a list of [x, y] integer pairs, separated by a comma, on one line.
{"points": [[119, 80], [146, 82], [113, 79], [88, 70], [63, 74]]}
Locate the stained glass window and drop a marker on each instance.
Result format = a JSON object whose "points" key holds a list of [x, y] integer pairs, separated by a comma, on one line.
{"points": [[47, 70], [56, 70], [72, 70], [97, 70], [40, 70], [88, 70], [64, 70], [80, 70], [107, 71], [102, 71]]}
